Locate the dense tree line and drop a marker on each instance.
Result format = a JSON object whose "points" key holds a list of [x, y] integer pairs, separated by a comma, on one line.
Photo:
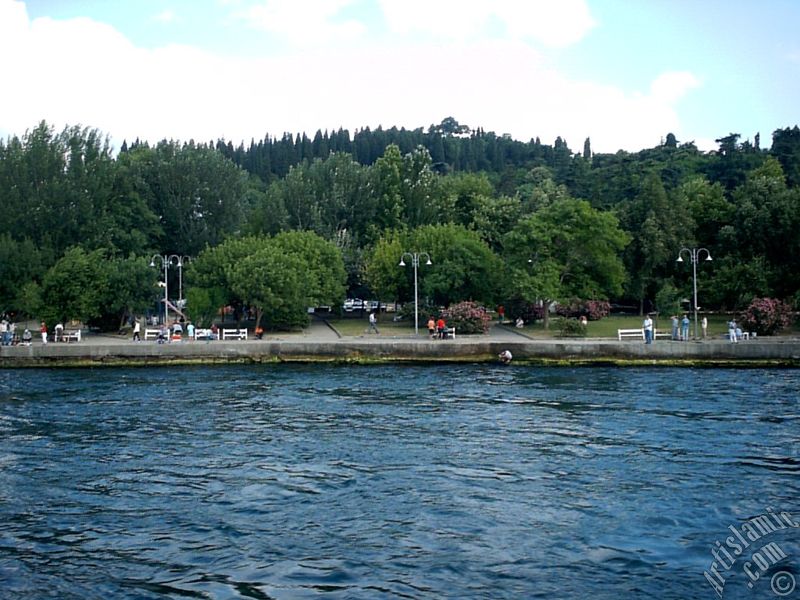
{"points": [[502, 219]]}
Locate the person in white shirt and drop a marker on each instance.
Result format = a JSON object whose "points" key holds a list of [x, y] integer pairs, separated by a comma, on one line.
{"points": [[373, 323], [647, 325]]}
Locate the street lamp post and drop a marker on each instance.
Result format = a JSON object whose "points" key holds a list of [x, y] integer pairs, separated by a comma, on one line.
{"points": [[415, 256], [181, 261], [166, 261], [694, 256]]}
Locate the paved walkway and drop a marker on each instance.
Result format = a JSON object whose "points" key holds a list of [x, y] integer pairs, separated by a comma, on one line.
{"points": [[319, 331]]}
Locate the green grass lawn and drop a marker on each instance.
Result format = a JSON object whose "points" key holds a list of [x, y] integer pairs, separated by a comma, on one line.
{"points": [[604, 328], [607, 328], [353, 327]]}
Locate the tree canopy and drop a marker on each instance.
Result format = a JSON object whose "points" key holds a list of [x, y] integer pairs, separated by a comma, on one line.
{"points": [[344, 206]]}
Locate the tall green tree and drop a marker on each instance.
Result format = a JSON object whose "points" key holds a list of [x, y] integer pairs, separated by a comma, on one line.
{"points": [[566, 250], [75, 287], [272, 282], [761, 243], [381, 269], [463, 266], [387, 179], [280, 277], [132, 288], [196, 193], [323, 276], [20, 263], [659, 227], [786, 148]]}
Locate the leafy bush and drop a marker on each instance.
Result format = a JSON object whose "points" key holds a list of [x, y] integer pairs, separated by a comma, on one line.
{"points": [[426, 311], [571, 327], [529, 311], [767, 316], [668, 299], [593, 310], [467, 317]]}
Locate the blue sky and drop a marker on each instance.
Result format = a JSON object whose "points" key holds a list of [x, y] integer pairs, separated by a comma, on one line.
{"points": [[624, 73]]}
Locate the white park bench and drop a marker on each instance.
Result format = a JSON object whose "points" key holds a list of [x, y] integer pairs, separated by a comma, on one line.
{"points": [[661, 334], [151, 334], [624, 334], [71, 335], [234, 334], [204, 334]]}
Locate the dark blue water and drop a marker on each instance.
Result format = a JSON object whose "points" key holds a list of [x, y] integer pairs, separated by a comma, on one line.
{"points": [[390, 482]]}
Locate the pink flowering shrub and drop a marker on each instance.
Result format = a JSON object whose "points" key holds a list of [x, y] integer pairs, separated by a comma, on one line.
{"points": [[593, 310], [467, 317], [767, 316], [529, 311], [597, 309]]}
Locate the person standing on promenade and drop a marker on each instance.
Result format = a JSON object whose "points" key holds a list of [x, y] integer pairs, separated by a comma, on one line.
{"points": [[373, 323], [440, 327], [4, 331], [43, 331], [176, 334], [704, 326], [674, 319], [685, 328], [732, 330], [136, 331], [647, 325], [432, 328], [190, 331]]}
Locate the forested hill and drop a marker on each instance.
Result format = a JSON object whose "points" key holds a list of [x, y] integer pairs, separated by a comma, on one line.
{"points": [[563, 223], [456, 147]]}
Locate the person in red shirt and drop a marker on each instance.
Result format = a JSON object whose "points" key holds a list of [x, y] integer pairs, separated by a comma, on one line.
{"points": [[43, 331], [440, 327]]}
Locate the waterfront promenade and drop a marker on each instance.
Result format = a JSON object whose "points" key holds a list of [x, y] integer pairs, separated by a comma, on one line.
{"points": [[322, 343]]}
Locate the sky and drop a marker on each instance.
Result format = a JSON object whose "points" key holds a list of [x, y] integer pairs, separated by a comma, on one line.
{"points": [[623, 73]]}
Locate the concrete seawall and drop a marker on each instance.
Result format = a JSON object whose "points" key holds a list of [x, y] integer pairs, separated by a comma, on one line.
{"points": [[773, 352]]}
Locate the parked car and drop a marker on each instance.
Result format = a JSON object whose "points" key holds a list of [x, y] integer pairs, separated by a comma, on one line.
{"points": [[352, 304]]}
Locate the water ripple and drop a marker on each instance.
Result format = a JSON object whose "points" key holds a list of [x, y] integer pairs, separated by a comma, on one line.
{"points": [[386, 482]]}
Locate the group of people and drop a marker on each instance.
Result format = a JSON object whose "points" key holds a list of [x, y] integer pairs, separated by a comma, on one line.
{"points": [[734, 331], [9, 337], [437, 328], [680, 328], [519, 323], [7, 331], [173, 333]]}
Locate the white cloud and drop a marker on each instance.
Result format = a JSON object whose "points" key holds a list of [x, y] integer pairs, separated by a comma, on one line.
{"points": [[555, 24], [674, 85], [166, 16], [303, 22], [58, 74]]}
